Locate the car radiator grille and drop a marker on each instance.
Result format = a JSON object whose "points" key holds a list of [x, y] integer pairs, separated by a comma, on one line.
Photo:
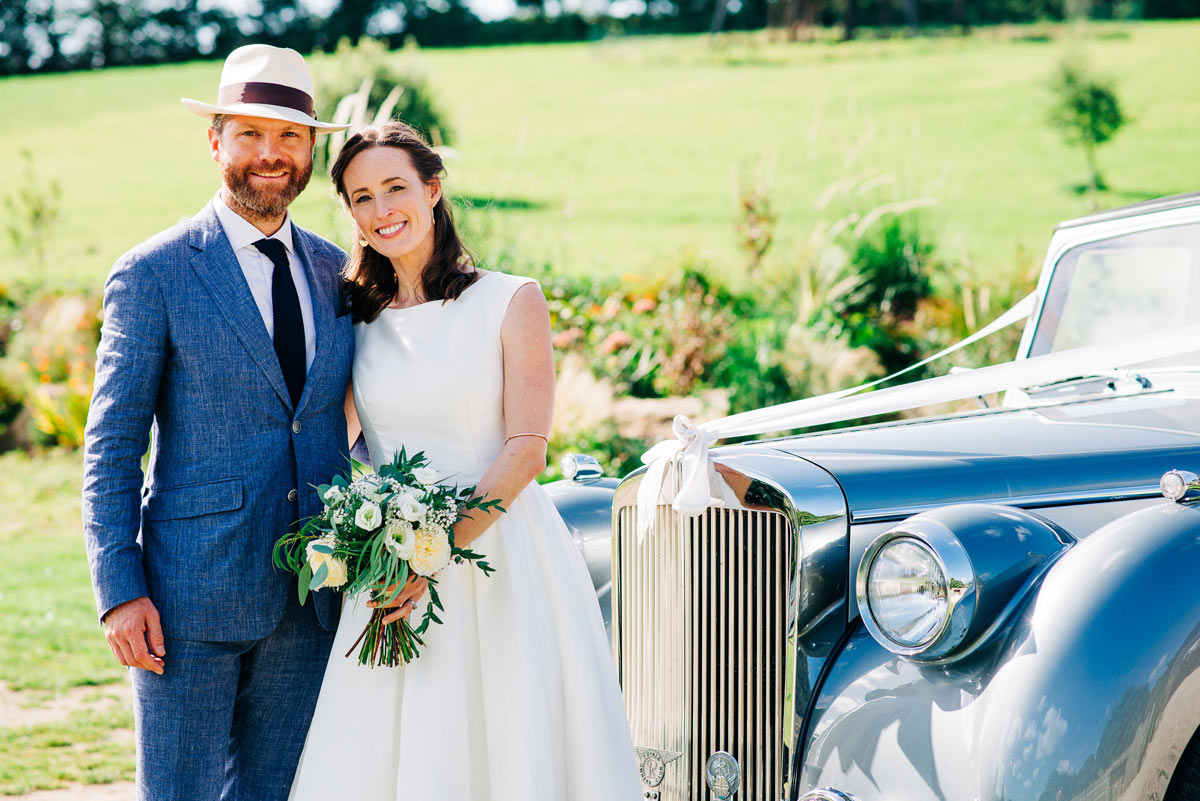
{"points": [[700, 638]]}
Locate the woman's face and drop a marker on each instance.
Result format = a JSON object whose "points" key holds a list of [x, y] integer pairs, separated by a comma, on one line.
{"points": [[390, 204]]}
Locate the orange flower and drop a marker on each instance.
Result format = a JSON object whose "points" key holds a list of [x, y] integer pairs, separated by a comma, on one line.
{"points": [[43, 364], [615, 341], [44, 378], [565, 339]]}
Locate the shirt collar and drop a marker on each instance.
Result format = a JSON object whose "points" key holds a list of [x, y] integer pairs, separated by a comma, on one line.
{"points": [[242, 233]]}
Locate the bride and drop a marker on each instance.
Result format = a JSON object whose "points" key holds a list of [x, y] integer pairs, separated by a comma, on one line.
{"points": [[514, 696]]}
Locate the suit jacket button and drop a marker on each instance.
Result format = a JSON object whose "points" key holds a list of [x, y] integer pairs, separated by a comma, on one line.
{"points": [[293, 495], [296, 426]]}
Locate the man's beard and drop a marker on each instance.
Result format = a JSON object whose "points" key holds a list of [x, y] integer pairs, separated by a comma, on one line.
{"points": [[266, 201]]}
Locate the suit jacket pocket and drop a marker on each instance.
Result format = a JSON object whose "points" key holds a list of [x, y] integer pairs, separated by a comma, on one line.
{"points": [[193, 500]]}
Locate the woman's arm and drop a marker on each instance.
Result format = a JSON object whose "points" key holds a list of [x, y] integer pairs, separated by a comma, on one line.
{"points": [[353, 426], [528, 408]]}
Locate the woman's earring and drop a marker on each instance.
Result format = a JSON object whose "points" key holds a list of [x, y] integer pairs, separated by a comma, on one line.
{"points": [[362, 240]]}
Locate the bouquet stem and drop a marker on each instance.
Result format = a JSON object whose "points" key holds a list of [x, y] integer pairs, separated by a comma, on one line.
{"points": [[389, 645]]}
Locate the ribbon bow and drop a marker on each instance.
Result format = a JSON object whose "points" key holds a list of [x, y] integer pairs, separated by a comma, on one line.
{"points": [[689, 450]]}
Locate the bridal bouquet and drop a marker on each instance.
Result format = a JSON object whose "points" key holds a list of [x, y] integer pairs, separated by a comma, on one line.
{"points": [[376, 530]]}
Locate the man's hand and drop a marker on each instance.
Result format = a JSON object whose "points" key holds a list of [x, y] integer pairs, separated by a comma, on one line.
{"points": [[406, 600], [135, 635]]}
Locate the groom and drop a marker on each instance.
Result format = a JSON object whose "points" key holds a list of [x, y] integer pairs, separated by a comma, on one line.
{"points": [[225, 336]]}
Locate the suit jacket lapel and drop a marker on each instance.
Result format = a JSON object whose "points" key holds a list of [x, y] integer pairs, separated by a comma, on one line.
{"points": [[218, 269], [324, 285]]}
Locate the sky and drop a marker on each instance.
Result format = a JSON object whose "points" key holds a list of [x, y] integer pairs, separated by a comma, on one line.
{"points": [[486, 10]]}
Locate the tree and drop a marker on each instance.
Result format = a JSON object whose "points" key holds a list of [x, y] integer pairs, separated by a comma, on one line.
{"points": [[349, 20], [1086, 110], [15, 51]]}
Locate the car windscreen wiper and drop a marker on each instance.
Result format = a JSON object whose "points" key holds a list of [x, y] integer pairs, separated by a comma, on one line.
{"points": [[1112, 382]]}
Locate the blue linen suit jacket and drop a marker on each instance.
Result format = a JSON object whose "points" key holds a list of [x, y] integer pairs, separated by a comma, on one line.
{"points": [[184, 351]]}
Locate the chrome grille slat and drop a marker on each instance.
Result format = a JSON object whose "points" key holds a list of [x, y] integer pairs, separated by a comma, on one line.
{"points": [[699, 638]]}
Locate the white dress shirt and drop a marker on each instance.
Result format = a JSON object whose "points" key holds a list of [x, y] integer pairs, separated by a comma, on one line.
{"points": [[259, 270]]}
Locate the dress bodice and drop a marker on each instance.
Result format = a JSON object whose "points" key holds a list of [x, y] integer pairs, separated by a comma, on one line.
{"points": [[431, 378]]}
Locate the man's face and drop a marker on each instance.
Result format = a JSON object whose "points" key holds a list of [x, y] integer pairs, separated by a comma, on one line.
{"points": [[265, 163]]}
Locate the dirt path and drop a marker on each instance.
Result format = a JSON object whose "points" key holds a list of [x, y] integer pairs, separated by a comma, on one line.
{"points": [[119, 791], [27, 708]]}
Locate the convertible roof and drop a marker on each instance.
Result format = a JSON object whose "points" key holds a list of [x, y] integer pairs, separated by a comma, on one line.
{"points": [[1145, 207]]}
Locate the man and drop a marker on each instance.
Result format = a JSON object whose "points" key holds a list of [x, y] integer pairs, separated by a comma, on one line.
{"points": [[226, 336]]}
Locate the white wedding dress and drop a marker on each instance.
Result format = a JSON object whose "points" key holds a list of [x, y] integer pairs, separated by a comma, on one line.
{"points": [[514, 696]]}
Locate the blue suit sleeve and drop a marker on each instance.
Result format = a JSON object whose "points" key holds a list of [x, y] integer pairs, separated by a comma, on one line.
{"points": [[129, 367]]}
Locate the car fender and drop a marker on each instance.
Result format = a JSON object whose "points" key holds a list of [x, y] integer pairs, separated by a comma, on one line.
{"points": [[586, 508], [1095, 684], [1102, 687]]}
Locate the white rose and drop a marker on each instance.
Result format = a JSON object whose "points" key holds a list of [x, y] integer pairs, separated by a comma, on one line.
{"points": [[431, 551], [426, 475], [368, 517], [337, 568], [411, 509], [400, 539], [333, 494]]}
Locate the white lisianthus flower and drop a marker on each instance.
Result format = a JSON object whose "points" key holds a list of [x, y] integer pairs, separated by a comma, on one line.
{"points": [[426, 475], [411, 509], [333, 494], [431, 551], [368, 517], [337, 568], [400, 539]]}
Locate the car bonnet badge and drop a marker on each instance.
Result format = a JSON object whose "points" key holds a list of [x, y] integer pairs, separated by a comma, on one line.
{"points": [[723, 775], [652, 764]]}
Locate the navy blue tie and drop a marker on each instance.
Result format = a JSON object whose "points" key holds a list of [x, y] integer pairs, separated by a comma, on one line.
{"points": [[289, 325]]}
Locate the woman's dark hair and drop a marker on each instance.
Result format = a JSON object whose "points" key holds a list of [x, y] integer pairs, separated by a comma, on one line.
{"points": [[369, 276]]}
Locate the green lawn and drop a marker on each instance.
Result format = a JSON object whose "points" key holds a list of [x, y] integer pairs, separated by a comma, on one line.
{"points": [[49, 637], [613, 156]]}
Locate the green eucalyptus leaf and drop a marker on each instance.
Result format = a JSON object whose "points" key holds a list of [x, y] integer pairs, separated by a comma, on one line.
{"points": [[305, 579], [319, 577]]}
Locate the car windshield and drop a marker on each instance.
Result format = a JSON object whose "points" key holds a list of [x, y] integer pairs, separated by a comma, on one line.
{"points": [[1112, 289]]}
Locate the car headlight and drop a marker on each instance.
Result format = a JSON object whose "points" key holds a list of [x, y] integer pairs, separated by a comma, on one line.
{"points": [[907, 592], [916, 589], [938, 584]]}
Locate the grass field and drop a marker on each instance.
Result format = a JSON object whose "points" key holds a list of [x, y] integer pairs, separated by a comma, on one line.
{"points": [[49, 638], [613, 156]]}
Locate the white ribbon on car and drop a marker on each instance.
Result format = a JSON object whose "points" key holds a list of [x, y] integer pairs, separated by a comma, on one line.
{"points": [[679, 470]]}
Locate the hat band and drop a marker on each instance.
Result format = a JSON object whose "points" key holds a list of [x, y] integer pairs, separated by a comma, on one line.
{"points": [[272, 94]]}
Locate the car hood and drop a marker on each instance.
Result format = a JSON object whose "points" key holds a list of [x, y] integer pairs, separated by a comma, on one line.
{"points": [[1063, 452]]}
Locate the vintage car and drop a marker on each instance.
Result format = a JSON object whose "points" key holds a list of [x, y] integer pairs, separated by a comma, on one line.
{"points": [[992, 604]]}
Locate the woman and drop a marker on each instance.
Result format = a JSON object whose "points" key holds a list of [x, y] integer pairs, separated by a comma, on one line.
{"points": [[514, 696]]}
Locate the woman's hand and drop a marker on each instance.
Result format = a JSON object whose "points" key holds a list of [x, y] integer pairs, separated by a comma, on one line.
{"points": [[406, 601]]}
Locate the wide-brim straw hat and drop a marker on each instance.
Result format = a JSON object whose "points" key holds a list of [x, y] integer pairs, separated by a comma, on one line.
{"points": [[259, 80]]}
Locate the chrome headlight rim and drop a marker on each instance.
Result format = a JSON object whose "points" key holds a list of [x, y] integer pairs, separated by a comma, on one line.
{"points": [[827, 794], [959, 575]]}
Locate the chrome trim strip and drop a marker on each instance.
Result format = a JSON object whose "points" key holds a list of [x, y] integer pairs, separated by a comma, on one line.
{"points": [[889, 514]]}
